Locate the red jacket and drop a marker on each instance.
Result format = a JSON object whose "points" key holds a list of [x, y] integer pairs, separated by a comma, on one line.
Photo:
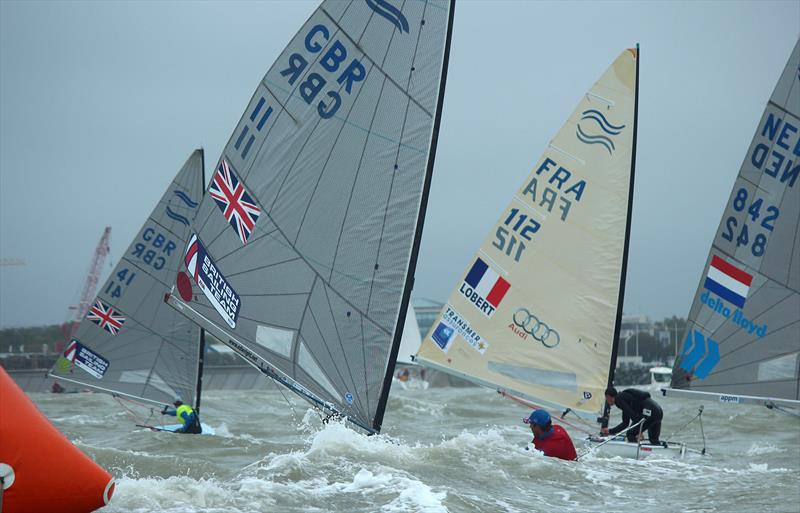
{"points": [[556, 444]]}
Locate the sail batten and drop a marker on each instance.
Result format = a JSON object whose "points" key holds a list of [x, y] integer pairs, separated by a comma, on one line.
{"points": [[743, 330], [534, 315]]}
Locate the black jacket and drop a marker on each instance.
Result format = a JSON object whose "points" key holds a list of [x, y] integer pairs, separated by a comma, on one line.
{"points": [[632, 401]]}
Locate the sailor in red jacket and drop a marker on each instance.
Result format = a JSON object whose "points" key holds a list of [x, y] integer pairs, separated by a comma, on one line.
{"points": [[552, 440]]}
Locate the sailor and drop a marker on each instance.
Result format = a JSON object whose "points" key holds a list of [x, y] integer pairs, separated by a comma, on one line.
{"points": [[186, 415], [635, 405], [552, 440]]}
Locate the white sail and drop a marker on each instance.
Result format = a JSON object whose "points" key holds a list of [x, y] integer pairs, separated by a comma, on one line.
{"points": [[409, 344], [743, 332], [304, 248], [537, 309]]}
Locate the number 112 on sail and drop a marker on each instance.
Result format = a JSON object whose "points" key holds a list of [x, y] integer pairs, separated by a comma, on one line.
{"points": [[515, 224]]}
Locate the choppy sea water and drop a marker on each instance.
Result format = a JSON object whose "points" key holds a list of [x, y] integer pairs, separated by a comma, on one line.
{"points": [[442, 450]]}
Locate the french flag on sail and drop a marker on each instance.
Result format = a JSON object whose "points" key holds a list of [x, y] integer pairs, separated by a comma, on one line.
{"points": [[728, 281], [484, 287]]}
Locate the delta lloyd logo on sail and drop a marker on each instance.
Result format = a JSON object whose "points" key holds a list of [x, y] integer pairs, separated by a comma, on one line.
{"points": [[484, 288], [730, 284]]}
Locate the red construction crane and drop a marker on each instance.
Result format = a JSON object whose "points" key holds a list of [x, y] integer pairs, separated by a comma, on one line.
{"points": [[89, 288]]}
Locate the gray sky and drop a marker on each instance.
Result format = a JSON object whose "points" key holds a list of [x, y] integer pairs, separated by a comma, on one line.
{"points": [[101, 103]]}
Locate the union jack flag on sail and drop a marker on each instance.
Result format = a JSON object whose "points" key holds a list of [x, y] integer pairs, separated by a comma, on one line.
{"points": [[234, 201], [105, 317]]}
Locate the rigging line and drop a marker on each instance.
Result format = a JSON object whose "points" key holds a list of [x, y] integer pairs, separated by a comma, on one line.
{"points": [[251, 240], [267, 266], [530, 404], [341, 345], [785, 411], [330, 355], [380, 67], [757, 340], [355, 180], [330, 153], [395, 171]]}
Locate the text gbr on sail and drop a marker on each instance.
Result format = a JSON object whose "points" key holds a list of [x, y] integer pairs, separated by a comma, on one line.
{"points": [[154, 245], [331, 63]]}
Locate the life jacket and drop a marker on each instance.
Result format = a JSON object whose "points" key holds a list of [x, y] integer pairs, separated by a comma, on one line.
{"points": [[184, 408], [556, 444]]}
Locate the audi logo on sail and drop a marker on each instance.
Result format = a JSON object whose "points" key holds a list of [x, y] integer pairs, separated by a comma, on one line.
{"points": [[526, 323]]}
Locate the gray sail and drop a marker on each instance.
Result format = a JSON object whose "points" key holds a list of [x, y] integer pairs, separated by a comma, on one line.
{"points": [[304, 247], [743, 332], [130, 341]]}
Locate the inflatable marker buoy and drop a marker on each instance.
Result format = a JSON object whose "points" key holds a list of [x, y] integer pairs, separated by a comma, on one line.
{"points": [[40, 469]]}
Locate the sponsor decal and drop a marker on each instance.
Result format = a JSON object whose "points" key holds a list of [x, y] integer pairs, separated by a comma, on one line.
{"points": [[106, 317], [348, 397], [700, 354], [733, 399], [452, 322], [718, 306], [728, 281], [443, 335], [594, 128], [587, 395], [525, 324], [233, 200], [484, 288], [213, 284], [84, 358]]}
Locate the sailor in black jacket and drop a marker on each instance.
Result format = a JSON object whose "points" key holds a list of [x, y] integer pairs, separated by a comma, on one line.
{"points": [[635, 405]]}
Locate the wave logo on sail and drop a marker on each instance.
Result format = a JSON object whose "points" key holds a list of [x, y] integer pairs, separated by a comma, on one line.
{"points": [[233, 200], [390, 12], [587, 131], [84, 358], [484, 288], [214, 286], [700, 352], [183, 197]]}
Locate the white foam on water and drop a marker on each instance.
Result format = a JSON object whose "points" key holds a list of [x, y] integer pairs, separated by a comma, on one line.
{"points": [[173, 494], [763, 448]]}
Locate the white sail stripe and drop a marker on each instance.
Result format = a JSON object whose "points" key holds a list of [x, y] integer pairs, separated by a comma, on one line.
{"points": [[566, 153], [727, 281], [602, 98], [492, 260], [529, 207]]}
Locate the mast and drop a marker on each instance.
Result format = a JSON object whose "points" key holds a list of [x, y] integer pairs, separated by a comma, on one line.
{"points": [[621, 298], [409, 285], [202, 349]]}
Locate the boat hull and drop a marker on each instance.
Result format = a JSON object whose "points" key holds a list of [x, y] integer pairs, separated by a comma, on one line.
{"points": [[619, 447]]}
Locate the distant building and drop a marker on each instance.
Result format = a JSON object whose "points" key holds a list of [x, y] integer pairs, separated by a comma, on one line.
{"points": [[426, 311]]}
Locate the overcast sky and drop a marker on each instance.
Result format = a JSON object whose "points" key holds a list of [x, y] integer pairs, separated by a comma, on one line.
{"points": [[102, 102]]}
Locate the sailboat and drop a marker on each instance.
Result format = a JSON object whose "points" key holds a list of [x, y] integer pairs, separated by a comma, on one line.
{"points": [[742, 342], [302, 255], [536, 315], [409, 375], [130, 344]]}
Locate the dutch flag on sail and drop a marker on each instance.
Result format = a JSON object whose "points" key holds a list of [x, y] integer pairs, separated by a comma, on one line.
{"points": [[728, 281]]}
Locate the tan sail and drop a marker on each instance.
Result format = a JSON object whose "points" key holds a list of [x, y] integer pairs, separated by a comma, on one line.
{"points": [[535, 311]]}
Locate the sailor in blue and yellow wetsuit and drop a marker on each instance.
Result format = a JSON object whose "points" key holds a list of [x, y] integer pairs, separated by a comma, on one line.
{"points": [[186, 415]]}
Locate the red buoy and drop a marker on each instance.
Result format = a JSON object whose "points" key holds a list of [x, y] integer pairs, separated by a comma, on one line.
{"points": [[40, 468]]}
